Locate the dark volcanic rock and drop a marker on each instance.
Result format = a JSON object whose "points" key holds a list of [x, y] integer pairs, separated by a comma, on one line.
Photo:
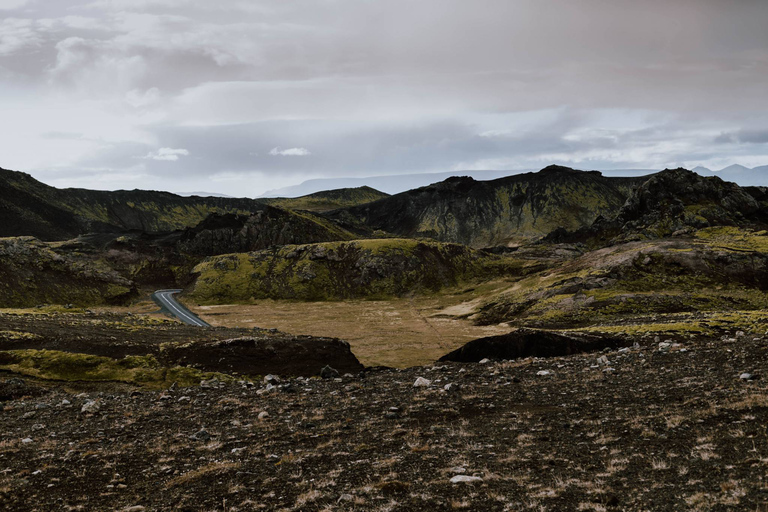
{"points": [[483, 213], [29, 207], [674, 202], [300, 355], [270, 226], [527, 343]]}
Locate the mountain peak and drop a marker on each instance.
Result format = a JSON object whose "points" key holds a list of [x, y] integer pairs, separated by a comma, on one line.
{"points": [[735, 168]]}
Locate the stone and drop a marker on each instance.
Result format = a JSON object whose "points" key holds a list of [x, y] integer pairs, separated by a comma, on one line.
{"points": [[201, 435], [209, 384], [543, 373], [603, 361], [458, 470], [329, 373], [271, 379], [451, 387], [748, 376], [134, 508], [26, 440], [421, 382], [458, 479], [90, 407], [485, 361], [263, 415]]}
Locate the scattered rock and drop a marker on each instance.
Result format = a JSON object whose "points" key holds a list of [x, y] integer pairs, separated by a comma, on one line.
{"points": [[201, 435], [329, 373], [459, 479], [90, 407], [421, 382]]}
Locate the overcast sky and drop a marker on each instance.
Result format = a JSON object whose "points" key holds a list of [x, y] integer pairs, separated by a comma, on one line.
{"points": [[241, 96]]}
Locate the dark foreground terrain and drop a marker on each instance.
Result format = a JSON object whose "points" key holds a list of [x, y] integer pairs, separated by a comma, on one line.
{"points": [[660, 426]]}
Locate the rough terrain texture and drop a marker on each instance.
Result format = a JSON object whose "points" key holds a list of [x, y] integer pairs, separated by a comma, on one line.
{"points": [[32, 273], [328, 199], [222, 234], [483, 213], [57, 344], [29, 207], [644, 429], [340, 270]]}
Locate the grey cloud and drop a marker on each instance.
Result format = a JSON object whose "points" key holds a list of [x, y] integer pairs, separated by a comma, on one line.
{"points": [[390, 86]]}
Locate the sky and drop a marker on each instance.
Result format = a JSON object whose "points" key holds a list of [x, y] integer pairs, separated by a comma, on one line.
{"points": [[243, 96]]}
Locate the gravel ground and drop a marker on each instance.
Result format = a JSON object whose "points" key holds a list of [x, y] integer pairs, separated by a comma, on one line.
{"points": [[675, 428]]}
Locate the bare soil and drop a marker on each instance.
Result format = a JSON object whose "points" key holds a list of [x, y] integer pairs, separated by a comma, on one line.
{"points": [[650, 429], [397, 333]]}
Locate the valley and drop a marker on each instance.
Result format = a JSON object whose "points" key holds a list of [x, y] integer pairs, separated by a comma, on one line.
{"points": [[557, 340]]}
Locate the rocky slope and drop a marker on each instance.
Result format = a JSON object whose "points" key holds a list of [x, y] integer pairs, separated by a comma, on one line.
{"points": [[28, 207], [663, 430], [341, 270], [270, 226], [329, 199], [676, 201], [714, 269], [483, 213], [33, 273]]}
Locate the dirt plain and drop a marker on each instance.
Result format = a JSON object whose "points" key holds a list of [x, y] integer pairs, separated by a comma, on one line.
{"points": [[397, 333]]}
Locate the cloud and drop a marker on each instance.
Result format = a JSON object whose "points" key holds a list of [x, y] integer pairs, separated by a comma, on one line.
{"points": [[590, 83], [289, 152], [12, 4], [167, 154]]}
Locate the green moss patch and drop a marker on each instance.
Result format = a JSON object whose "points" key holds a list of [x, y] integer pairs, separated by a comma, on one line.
{"points": [[378, 268], [66, 366]]}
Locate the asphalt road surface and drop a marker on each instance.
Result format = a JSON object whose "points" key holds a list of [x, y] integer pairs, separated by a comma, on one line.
{"points": [[165, 299]]}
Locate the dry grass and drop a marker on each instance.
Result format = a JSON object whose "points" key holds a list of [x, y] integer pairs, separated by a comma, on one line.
{"points": [[399, 332], [211, 469]]}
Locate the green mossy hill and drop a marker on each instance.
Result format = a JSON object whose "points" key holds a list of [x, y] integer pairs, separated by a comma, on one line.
{"points": [[144, 371], [676, 202], [340, 270], [329, 199], [715, 272], [33, 273], [222, 234], [484, 213], [29, 207]]}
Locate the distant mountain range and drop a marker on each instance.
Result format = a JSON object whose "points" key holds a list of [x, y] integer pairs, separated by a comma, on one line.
{"points": [[397, 183]]}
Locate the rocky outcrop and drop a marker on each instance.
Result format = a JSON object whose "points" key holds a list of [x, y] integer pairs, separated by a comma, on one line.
{"points": [[29, 207], [335, 271], [270, 226], [528, 343], [329, 199], [262, 355], [674, 202], [32, 273], [484, 213]]}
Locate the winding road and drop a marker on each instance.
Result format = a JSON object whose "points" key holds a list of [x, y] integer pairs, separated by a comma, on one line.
{"points": [[165, 299]]}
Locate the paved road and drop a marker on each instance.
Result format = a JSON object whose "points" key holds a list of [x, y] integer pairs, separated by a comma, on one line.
{"points": [[165, 299]]}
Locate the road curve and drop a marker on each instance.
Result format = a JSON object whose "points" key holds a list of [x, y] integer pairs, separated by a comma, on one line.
{"points": [[165, 299]]}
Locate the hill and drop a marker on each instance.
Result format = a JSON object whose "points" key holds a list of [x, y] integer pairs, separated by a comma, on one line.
{"points": [[336, 270], [29, 207], [674, 202], [483, 213], [329, 199], [32, 273], [221, 234]]}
